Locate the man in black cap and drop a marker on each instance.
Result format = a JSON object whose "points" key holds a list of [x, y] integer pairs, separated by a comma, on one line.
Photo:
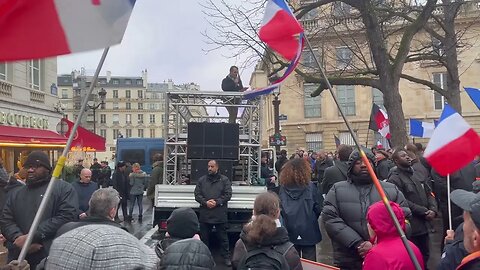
{"points": [[470, 203], [22, 205], [121, 184]]}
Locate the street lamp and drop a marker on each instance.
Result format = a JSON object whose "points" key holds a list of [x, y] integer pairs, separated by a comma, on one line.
{"points": [[276, 108], [102, 94], [62, 127]]}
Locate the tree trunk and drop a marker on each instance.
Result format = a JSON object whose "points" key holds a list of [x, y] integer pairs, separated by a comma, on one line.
{"points": [[393, 103]]}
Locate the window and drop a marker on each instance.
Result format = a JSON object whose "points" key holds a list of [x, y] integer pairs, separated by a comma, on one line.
{"points": [[128, 118], [115, 119], [140, 106], [152, 106], [115, 105], [134, 156], [103, 118], [377, 97], [346, 98], [314, 141], [128, 81], [140, 133], [152, 133], [102, 81], [128, 133], [311, 15], [77, 92], [346, 138], [115, 81], [140, 94], [341, 9], [115, 93], [309, 60], [3, 71], [64, 93], [128, 106], [344, 57], [128, 94], [163, 118], [440, 79], [140, 118], [312, 106], [34, 74], [139, 82], [152, 118], [116, 133], [103, 133]]}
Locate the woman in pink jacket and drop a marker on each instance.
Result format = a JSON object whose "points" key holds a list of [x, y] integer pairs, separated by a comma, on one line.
{"points": [[388, 253]]}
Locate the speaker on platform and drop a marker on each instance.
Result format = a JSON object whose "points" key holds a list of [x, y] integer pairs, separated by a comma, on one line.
{"points": [[212, 141], [199, 168]]}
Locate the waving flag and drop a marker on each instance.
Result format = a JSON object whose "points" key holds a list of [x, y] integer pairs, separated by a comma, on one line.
{"points": [[44, 28], [379, 121], [454, 143], [280, 28], [474, 94], [421, 129]]}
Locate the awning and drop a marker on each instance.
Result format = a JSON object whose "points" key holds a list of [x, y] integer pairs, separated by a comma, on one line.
{"points": [[85, 140], [29, 137]]}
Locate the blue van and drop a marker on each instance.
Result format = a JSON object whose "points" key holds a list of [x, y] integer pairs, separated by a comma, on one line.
{"points": [[139, 150]]}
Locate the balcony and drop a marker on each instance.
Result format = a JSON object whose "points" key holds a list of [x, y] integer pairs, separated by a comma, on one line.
{"points": [[36, 96], [5, 89]]}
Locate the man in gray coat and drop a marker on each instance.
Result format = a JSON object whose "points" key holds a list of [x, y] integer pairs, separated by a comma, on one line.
{"points": [[345, 209]]}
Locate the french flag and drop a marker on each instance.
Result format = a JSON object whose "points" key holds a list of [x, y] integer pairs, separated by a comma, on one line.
{"points": [[421, 129], [45, 28], [454, 143], [280, 28]]}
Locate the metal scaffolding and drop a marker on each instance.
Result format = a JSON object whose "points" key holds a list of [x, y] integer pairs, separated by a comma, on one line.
{"points": [[180, 110]]}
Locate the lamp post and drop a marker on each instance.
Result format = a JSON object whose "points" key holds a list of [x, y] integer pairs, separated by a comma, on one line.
{"points": [[276, 109], [102, 94]]}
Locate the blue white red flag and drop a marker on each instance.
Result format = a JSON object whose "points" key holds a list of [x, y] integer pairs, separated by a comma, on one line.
{"points": [[280, 29], [454, 143], [474, 94], [44, 28], [421, 129]]}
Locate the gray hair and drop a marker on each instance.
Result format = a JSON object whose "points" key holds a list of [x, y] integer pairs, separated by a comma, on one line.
{"points": [[102, 201]]}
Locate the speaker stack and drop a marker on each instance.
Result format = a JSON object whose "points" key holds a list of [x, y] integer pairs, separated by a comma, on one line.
{"points": [[207, 141]]}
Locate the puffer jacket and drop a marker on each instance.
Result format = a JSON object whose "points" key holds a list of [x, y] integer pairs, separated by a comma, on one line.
{"points": [[187, 254], [281, 237], [344, 217]]}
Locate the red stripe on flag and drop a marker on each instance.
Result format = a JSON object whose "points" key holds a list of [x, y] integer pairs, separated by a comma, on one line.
{"points": [[30, 29], [450, 159]]}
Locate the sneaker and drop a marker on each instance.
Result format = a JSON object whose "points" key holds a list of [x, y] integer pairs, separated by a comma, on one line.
{"points": [[140, 218], [227, 262]]}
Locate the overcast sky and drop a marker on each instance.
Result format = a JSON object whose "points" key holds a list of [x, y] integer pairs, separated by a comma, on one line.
{"points": [[165, 38]]}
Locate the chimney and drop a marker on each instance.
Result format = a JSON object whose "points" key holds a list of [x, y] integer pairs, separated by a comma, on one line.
{"points": [[109, 75], [170, 84], [145, 78]]}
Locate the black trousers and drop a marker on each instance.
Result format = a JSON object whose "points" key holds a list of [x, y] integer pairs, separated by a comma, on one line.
{"points": [[423, 243], [307, 252], [123, 203], [221, 230]]}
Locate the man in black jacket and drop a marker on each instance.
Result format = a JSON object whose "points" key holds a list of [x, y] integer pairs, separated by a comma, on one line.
{"points": [[282, 159], [122, 185], [22, 205], [232, 83], [415, 187], [213, 191], [337, 172]]}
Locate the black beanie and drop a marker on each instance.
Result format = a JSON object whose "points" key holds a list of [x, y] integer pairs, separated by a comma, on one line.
{"points": [[37, 158], [183, 223], [355, 155]]}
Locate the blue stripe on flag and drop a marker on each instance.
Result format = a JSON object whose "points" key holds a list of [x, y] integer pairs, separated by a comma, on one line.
{"points": [[447, 111], [474, 94], [416, 128], [283, 5]]}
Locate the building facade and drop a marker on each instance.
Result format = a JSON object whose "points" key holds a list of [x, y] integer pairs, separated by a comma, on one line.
{"points": [[28, 120], [311, 123]]}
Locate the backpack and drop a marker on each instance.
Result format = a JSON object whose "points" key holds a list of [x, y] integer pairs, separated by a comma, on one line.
{"points": [[266, 257]]}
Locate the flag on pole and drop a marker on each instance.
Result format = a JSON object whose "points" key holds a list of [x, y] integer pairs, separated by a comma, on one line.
{"points": [[474, 94], [421, 129], [44, 28], [379, 121], [337, 140], [280, 28], [454, 143]]}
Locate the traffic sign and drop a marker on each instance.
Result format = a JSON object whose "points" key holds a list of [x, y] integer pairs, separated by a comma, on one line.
{"points": [[278, 140]]}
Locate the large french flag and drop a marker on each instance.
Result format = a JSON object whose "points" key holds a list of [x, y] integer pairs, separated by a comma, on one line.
{"points": [[454, 143], [44, 28], [280, 28]]}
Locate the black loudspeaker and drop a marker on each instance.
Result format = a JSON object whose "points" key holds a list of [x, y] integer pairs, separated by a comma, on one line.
{"points": [[212, 141], [199, 168]]}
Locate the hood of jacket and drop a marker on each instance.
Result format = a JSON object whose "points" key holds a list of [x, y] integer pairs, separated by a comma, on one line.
{"points": [[295, 192], [380, 221], [280, 237]]}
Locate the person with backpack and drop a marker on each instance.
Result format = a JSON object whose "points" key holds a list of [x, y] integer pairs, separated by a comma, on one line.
{"points": [[263, 243], [300, 207]]}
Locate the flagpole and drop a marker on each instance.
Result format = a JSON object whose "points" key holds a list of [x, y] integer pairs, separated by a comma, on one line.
{"points": [[366, 142], [449, 204], [61, 162], [367, 163]]}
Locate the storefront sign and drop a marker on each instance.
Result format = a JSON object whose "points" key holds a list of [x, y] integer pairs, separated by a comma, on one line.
{"points": [[20, 120]]}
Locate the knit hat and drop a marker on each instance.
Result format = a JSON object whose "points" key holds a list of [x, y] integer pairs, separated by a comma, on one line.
{"points": [[37, 158], [100, 247], [183, 223]]}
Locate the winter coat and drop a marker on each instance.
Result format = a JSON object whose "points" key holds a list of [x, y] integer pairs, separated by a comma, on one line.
{"points": [[418, 195], [138, 182], [383, 168], [89, 220], [454, 252], [471, 262], [187, 254], [320, 167], [279, 164], [219, 188], [84, 192], [3, 176], [22, 205], [300, 211], [280, 237], [95, 168], [12, 185], [156, 177], [266, 173], [104, 177], [344, 217], [120, 183], [334, 174], [228, 85]]}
